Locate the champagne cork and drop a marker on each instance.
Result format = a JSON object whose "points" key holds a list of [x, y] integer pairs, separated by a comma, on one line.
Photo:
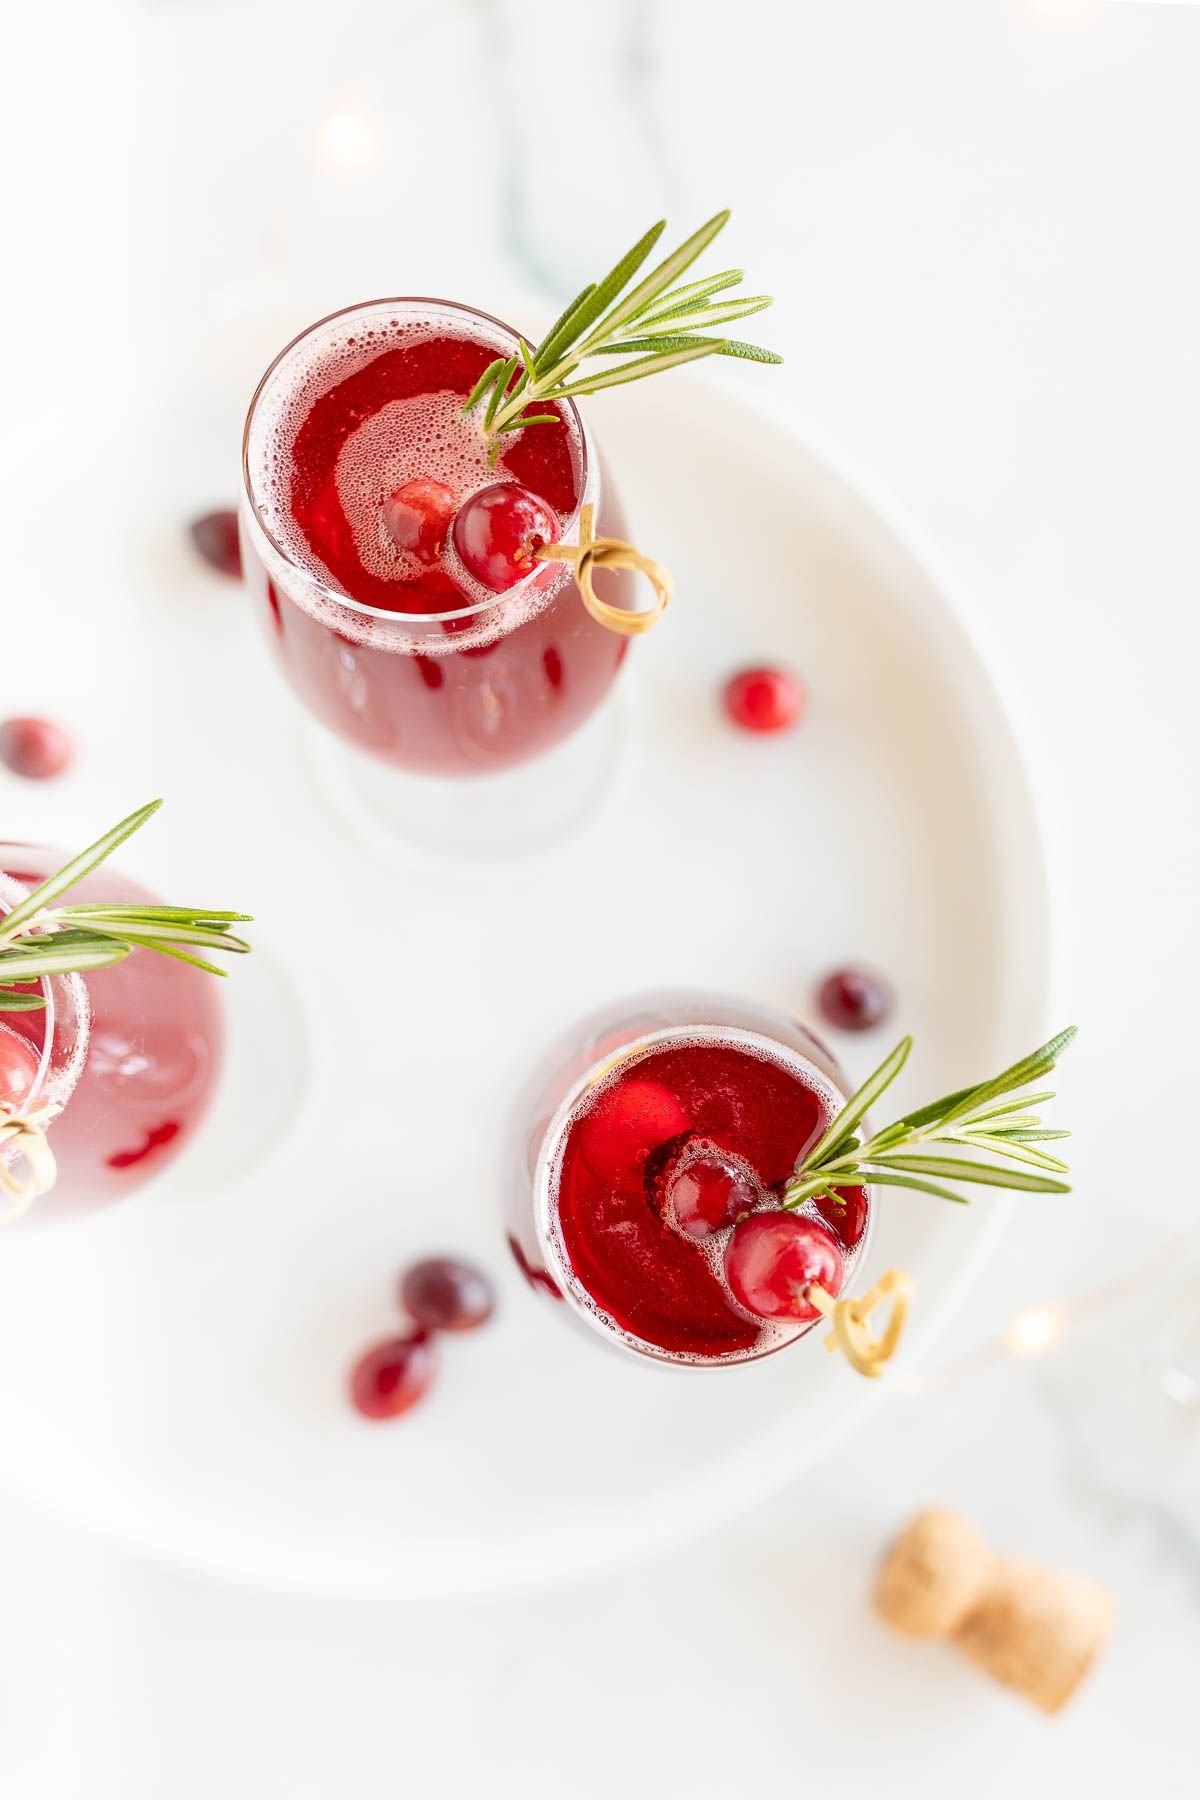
{"points": [[1035, 1630]]}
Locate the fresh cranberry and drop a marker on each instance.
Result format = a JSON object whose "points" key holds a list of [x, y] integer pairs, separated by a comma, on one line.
{"points": [[847, 1216], [444, 1294], [215, 536], [36, 748], [418, 517], [498, 530], [627, 1122], [392, 1376], [19, 1064], [764, 699], [694, 1188], [771, 1260], [854, 999]]}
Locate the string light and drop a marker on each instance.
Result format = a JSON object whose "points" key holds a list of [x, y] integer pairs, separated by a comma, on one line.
{"points": [[345, 142], [1033, 1331], [1038, 1329]]}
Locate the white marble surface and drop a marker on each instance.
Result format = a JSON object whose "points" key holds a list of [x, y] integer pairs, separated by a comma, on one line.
{"points": [[979, 219]]}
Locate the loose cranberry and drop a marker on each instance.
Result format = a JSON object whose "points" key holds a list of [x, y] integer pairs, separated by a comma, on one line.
{"points": [[771, 1260], [19, 1064], [854, 999], [393, 1376], [498, 530], [764, 699], [418, 517], [36, 748], [215, 536], [627, 1122], [694, 1188], [444, 1294], [846, 1216]]}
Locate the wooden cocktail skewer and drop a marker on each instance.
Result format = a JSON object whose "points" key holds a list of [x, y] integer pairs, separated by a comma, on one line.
{"points": [[27, 1134], [851, 1332], [592, 553]]}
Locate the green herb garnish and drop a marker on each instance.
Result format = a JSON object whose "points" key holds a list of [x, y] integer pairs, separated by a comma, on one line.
{"points": [[980, 1119], [659, 323], [38, 939]]}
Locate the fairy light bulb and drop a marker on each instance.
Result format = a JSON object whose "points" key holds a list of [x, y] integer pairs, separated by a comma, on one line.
{"points": [[345, 142], [1034, 1331]]}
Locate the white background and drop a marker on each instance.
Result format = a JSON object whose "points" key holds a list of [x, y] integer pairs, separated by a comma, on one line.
{"points": [[980, 224]]}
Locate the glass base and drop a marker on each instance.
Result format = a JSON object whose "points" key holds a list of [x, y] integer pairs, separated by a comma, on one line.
{"points": [[485, 824]]}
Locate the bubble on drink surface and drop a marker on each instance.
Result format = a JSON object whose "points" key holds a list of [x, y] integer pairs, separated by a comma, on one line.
{"points": [[404, 440], [773, 1334], [421, 436]]}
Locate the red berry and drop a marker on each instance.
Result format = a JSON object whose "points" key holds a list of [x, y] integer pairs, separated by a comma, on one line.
{"points": [[629, 1119], [764, 699], [418, 517], [694, 1188], [36, 748], [849, 1219], [498, 530], [19, 1064], [215, 536], [393, 1376], [444, 1294], [771, 1260], [854, 999]]}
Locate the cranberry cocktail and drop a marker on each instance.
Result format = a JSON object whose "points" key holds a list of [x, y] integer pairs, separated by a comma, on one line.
{"points": [[151, 1057], [383, 543], [657, 1181]]}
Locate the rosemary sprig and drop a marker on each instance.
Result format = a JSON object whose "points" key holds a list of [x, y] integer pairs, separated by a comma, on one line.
{"points": [[38, 939], [980, 1119], [660, 323]]}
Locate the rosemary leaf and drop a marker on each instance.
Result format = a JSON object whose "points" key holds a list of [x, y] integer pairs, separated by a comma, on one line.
{"points": [[10, 1002], [498, 390], [954, 1168], [1030, 1068], [483, 384], [590, 309], [49, 961], [699, 318], [1038, 1159], [636, 371], [857, 1107], [556, 339], [656, 344], [75, 870], [184, 915], [661, 278], [693, 291], [133, 931], [1023, 1104], [528, 419], [889, 1178], [1028, 1137]]}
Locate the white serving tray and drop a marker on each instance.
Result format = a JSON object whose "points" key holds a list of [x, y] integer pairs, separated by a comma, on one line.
{"points": [[172, 1372]]}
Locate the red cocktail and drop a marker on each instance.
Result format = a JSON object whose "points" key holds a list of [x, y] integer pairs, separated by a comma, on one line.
{"points": [[357, 459], [130, 1054], [659, 1133]]}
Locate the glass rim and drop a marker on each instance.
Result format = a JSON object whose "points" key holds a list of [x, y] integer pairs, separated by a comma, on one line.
{"points": [[557, 1263], [337, 596], [78, 1019]]}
